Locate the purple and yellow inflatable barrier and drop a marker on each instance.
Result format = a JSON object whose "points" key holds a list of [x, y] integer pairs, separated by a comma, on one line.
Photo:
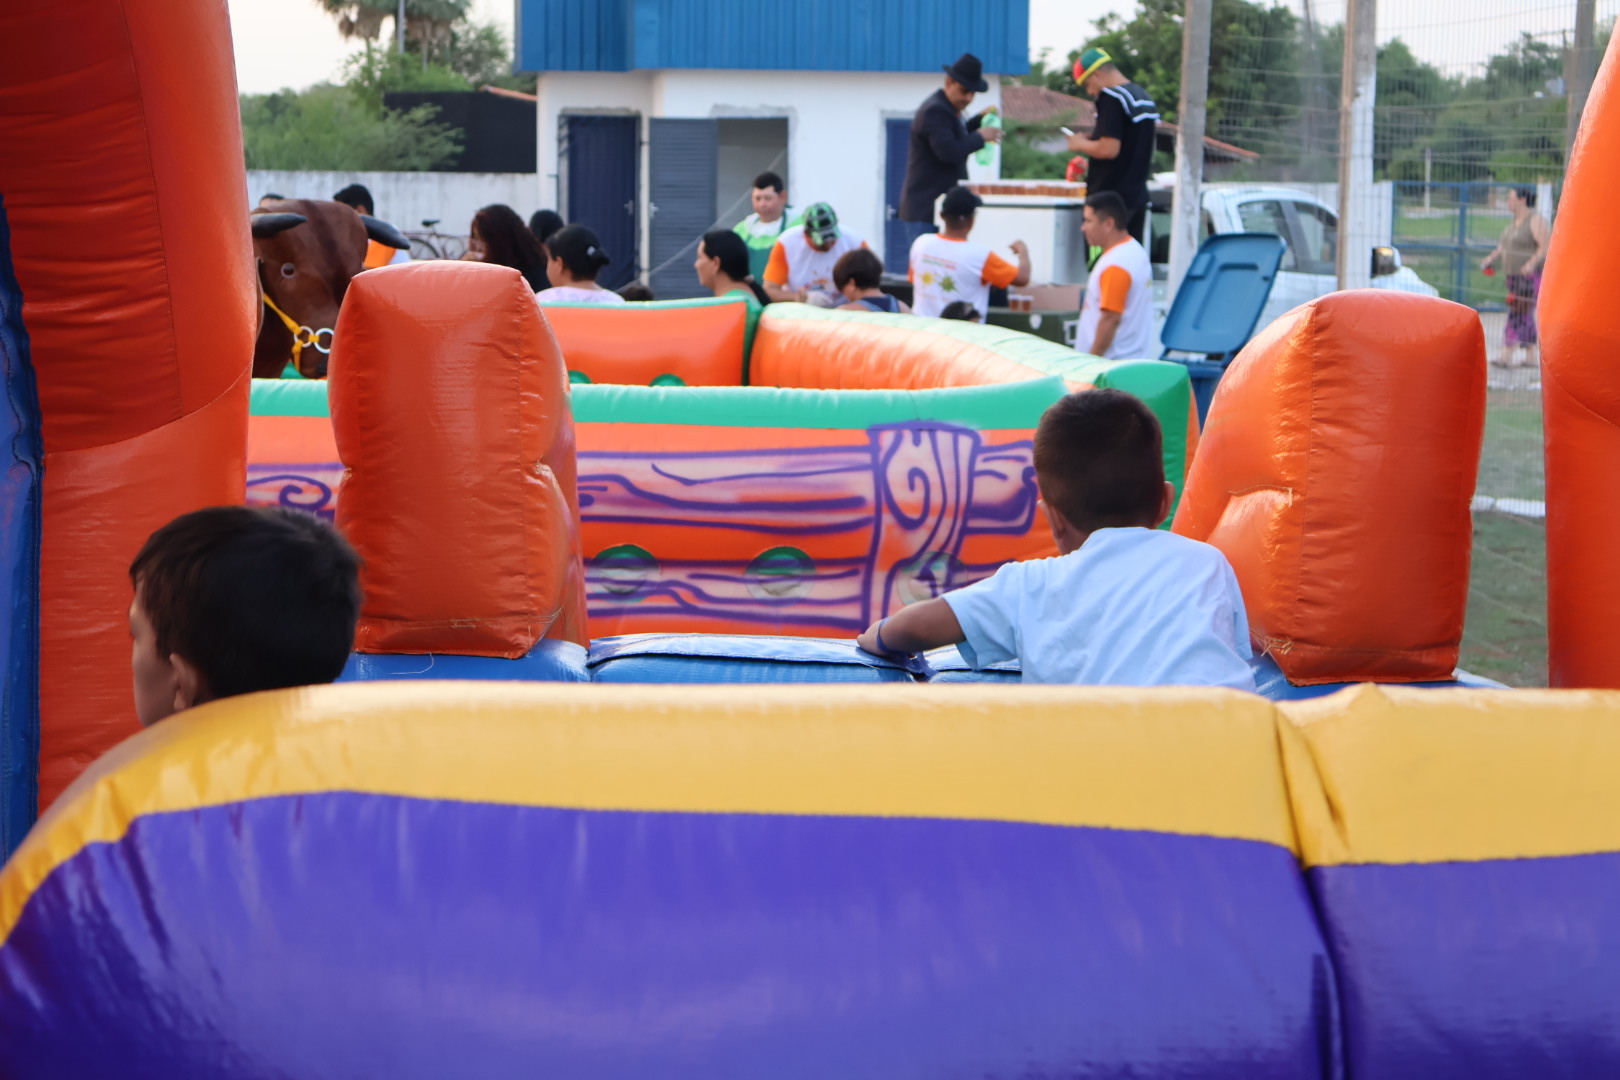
{"points": [[509, 879]]}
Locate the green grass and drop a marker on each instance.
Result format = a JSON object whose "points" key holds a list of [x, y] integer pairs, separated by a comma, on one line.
{"points": [[1510, 463], [1505, 637]]}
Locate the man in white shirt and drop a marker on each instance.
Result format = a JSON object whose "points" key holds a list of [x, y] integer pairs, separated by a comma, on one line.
{"points": [[1124, 603], [1116, 316], [947, 267], [802, 262]]}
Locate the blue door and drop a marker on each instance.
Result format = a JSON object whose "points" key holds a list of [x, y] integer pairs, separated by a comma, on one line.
{"points": [[897, 144], [603, 154]]}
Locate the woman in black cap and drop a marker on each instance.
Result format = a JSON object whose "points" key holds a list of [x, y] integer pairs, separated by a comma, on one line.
{"points": [[941, 142]]}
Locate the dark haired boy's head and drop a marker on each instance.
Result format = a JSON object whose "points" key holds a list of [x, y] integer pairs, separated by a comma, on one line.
{"points": [[962, 311], [860, 267], [234, 599], [357, 196], [1104, 217], [1099, 461]]}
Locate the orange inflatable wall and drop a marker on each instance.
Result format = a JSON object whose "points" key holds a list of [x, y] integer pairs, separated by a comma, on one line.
{"points": [[693, 343], [1336, 469], [450, 407], [1580, 401], [121, 167]]}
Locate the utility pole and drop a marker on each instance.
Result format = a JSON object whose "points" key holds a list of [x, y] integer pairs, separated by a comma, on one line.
{"points": [[399, 27], [1190, 115], [1357, 92], [1580, 69]]}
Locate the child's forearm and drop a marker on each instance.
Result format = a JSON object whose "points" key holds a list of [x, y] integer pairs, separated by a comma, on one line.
{"points": [[916, 628]]}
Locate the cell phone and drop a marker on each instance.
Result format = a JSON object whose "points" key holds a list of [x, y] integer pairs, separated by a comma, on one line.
{"points": [[1065, 131]]}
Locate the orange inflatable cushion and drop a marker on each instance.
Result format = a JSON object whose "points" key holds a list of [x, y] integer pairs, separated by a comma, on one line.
{"points": [[824, 354], [1335, 471], [634, 344], [1580, 403], [450, 408]]}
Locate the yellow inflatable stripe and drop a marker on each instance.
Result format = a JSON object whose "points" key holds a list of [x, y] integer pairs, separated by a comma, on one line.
{"points": [[1178, 761], [1393, 775]]}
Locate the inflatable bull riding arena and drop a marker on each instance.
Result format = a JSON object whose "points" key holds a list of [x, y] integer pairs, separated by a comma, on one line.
{"points": [[475, 858]]}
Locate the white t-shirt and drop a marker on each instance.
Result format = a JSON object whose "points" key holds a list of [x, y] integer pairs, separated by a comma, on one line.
{"points": [[572, 294], [797, 265], [1129, 607], [1122, 281], [944, 270]]}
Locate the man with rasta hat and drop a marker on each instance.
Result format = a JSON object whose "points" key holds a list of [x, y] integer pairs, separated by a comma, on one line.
{"points": [[1120, 146], [941, 142]]}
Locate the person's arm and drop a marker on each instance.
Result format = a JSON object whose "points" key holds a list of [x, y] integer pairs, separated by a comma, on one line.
{"points": [[1542, 234], [776, 277], [939, 128], [1025, 268], [1106, 134], [913, 629], [1107, 327], [1113, 290]]}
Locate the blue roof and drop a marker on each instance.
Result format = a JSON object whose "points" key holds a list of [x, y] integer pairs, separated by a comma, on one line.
{"points": [[771, 35]]}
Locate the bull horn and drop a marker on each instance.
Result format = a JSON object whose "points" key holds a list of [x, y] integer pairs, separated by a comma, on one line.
{"points": [[270, 224], [384, 233]]}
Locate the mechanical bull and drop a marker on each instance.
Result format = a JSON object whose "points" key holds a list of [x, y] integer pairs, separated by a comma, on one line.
{"points": [[307, 252]]}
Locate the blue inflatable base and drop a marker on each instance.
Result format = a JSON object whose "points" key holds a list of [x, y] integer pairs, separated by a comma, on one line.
{"points": [[734, 658], [549, 661]]}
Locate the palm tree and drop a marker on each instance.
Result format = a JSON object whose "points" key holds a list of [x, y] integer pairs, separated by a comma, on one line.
{"points": [[428, 23]]}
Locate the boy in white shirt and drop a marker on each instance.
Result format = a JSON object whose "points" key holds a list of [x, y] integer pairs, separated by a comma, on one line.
{"points": [[1124, 603], [947, 268]]}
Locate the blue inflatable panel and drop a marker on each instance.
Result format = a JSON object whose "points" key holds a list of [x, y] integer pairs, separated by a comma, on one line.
{"points": [[549, 661], [949, 667], [341, 934], [1270, 682], [1499, 968], [726, 658], [21, 464]]}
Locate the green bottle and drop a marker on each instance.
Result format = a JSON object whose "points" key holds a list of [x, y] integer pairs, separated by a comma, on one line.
{"points": [[987, 152]]}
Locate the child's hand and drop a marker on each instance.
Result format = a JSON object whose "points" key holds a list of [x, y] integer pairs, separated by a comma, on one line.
{"points": [[868, 640]]}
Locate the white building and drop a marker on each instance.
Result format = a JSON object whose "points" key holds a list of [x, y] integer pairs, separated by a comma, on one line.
{"points": [[655, 115]]}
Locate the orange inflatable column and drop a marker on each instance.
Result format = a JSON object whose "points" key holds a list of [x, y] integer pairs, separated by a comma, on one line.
{"points": [[1580, 401], [121, 168], [1336, 471], [451, 410]]}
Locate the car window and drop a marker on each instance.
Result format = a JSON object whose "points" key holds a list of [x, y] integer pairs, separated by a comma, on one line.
{"points": [[1318, 239], [1266, 216]]}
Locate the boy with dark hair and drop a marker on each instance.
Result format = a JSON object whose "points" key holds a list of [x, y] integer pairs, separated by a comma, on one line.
{"points": [[1124, 603], [234, 599], [858, 276], [1116, 312], [946, 267]]}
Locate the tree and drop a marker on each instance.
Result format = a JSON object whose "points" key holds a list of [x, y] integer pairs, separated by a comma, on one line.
{"points": [[429, 24], [332, 127]]}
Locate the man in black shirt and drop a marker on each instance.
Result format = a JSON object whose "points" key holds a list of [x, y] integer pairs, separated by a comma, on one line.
{"points": [[941, 142], [1121, 144]]}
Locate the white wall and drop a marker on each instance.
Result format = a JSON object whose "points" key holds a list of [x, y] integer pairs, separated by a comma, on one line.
{"points": [[407, 198], [835, 124]]}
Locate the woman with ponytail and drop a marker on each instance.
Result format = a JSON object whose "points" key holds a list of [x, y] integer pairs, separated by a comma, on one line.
{"points": [[722, 267], [576, 258]]}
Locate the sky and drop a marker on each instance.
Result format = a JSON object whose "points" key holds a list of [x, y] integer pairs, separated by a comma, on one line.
{"points": [[293, 43]]}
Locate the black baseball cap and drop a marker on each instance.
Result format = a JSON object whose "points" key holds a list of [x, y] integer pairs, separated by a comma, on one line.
{"points": [[959, 202]]}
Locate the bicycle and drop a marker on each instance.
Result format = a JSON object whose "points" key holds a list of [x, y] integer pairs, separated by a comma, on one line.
{"points": [[429, 243]]}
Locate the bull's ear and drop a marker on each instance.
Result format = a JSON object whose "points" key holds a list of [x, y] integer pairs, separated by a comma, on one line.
{"points": [[384, 233], [270, 224]]}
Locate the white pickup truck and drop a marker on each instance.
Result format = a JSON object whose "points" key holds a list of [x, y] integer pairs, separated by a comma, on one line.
{"points": [[1308, 227]]}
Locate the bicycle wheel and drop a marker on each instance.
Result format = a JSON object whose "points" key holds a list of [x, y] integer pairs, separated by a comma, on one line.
{"points": [[453, 247], [423, 248]]}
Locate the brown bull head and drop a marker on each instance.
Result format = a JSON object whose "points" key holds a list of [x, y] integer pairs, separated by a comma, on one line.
{"points": [[307, 252]]}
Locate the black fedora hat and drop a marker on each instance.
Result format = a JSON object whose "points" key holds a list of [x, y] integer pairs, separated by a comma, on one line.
{"points": [[969, 72]]}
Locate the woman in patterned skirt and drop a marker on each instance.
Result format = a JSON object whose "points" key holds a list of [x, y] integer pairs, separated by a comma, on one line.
{"points": [[1523, 251]]}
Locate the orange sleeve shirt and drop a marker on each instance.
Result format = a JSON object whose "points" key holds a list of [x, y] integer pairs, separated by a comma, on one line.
{"points": [[999, 272], [776, 268], [1113, 286]]}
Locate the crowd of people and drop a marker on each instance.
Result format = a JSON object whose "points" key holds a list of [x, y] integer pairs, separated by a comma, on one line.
{"points": [[779, 253]]}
